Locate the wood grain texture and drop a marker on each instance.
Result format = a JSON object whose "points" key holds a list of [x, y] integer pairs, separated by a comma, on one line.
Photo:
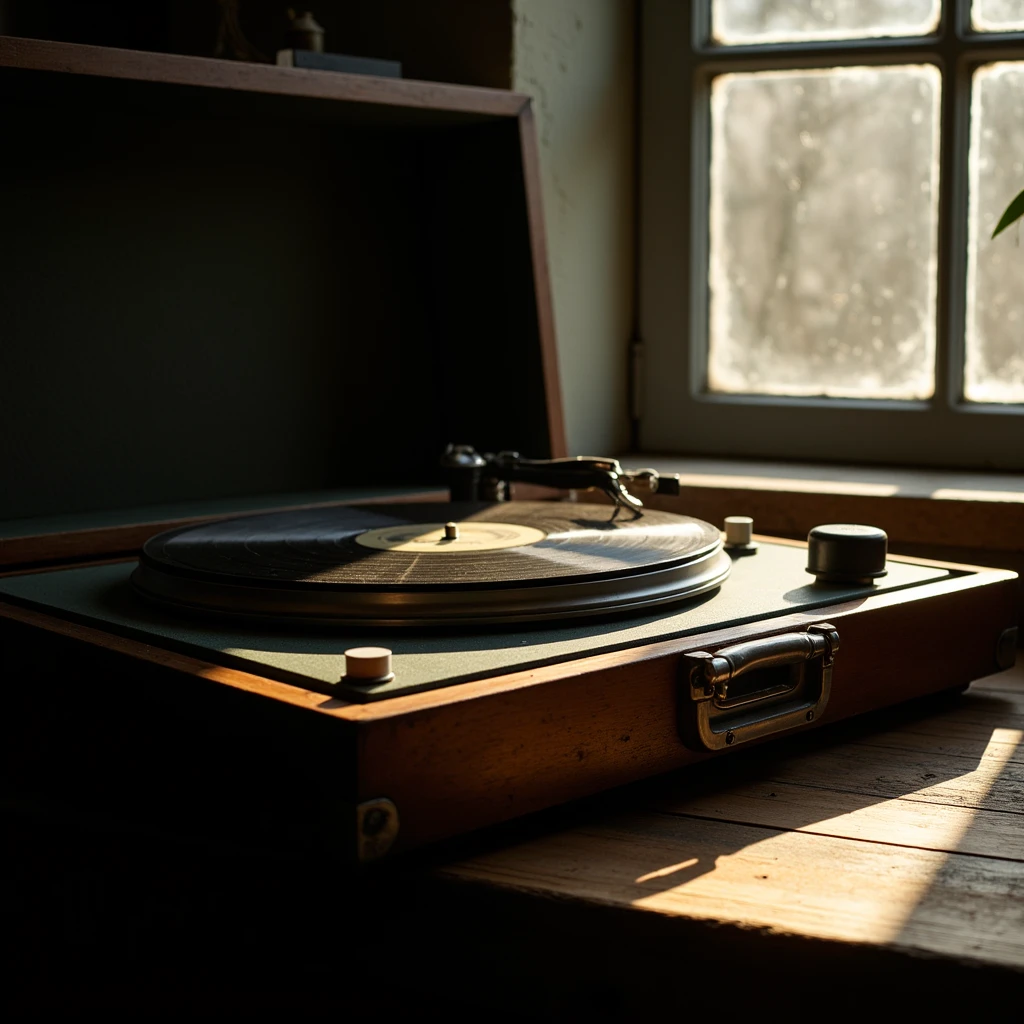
{"points": [[820, 810], [926, 858], [790, 882], [950, 781], [927, 777], [173, 69]]}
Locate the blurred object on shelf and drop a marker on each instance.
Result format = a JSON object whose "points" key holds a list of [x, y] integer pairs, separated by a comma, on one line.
{"points": [[306, 50], [304, 32]]}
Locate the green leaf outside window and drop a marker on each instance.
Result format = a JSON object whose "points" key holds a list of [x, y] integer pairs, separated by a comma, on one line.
{"points": [[1013, 212]]}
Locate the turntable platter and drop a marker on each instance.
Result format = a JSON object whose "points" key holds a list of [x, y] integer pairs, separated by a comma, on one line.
{"points": [[398, 564]]}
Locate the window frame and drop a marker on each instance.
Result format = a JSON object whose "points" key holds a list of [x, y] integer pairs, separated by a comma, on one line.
{"points": [[676, 412]]}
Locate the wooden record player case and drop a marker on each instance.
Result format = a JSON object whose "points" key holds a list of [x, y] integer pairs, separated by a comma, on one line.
{"points": [[222, 282]]}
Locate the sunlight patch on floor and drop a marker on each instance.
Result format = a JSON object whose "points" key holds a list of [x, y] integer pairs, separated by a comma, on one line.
{"points": [[870, 888], [864, 891]]}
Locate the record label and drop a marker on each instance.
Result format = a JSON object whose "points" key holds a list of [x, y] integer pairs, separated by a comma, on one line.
{"points": [[430, 537]]}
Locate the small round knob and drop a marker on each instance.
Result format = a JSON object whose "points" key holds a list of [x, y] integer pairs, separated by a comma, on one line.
{"points": [[451, 531], [366, 665], [739, 534], [846, 553]]}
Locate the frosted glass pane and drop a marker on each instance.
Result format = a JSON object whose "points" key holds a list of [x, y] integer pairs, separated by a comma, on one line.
{"points": [[994, 364], [823, 232], [997, 15], [776, 21]]}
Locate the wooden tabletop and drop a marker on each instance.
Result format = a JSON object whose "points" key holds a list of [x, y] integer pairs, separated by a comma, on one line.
{"points": [[898, 838], [874, 863]]}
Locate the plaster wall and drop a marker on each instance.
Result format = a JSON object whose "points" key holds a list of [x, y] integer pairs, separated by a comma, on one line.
{"points": [[575, 59]]}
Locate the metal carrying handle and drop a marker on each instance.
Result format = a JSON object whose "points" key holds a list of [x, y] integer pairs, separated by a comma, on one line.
{"points": [[711, 718], [756, 655]]}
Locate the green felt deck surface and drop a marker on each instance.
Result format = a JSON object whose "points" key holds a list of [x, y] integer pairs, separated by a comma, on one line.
{"points": [[771, 582]]}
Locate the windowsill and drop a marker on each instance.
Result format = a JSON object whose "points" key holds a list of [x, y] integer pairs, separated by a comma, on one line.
{"points": [[918, 508]]}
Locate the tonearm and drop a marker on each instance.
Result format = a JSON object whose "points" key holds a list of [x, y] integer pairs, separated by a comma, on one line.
{"points": [[475, 477]]}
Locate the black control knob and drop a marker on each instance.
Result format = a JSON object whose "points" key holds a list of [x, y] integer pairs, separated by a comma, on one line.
{"points": [[846, 553]]}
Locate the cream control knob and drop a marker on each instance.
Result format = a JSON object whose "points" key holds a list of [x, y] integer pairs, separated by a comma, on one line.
{"points": [[739, 534], [368, 665]]}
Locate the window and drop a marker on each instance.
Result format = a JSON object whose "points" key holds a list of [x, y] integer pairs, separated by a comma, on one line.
{"points": [[819, 181]]}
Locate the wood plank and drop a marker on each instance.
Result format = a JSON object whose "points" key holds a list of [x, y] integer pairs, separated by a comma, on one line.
{"points": [[992, 712], [955, 739], [982, 744], [967, 728], [786, 882], [898, 822], [919, 864], [989, 783]]}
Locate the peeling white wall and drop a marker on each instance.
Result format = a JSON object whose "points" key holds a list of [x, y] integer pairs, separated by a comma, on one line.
{"points": [[575, 59]]}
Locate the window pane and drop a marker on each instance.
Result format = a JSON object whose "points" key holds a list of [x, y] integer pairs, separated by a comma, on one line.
{"points": [[776, 21], [823, 232], [997, 15], [994, 366]]}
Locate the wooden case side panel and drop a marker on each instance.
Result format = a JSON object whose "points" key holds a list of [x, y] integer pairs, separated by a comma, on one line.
{"points": [[458, 766], [910, 649]]}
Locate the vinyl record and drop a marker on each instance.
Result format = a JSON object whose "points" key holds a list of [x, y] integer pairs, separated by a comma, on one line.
{"points": [[398, 565]]}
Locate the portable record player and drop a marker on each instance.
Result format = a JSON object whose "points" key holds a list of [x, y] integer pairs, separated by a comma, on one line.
{"points": [[362, 679], [352, 666]]}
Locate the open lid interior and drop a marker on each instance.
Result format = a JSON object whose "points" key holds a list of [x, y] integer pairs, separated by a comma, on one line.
{"points": [[208, 293]]}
